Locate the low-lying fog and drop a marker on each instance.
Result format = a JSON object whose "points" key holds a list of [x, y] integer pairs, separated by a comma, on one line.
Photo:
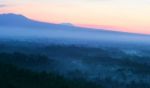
{"points": [[73, 36]]}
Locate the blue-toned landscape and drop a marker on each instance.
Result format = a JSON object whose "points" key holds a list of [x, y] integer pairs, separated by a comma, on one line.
{"points": [[35, 54]]}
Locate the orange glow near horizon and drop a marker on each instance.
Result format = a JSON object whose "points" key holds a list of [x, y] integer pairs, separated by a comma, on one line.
{"points": [[137, 29], [117, 15]]}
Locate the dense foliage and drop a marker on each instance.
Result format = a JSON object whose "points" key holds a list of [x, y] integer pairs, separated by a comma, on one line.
{"points": [[12, 77], [112, 68]]}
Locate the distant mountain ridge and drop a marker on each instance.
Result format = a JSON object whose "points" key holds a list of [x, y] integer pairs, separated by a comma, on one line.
{"points": [[18, 27], [16, 20]]}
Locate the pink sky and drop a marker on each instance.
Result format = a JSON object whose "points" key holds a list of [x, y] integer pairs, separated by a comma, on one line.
{"points": [[116, 15]]}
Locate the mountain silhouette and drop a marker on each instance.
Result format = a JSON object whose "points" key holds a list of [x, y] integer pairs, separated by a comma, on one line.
{"points": [[19, 26], [15, 20], [20, 21]]}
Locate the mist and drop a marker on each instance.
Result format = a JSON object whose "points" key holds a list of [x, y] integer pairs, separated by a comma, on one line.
{"points": [[72, 36]]}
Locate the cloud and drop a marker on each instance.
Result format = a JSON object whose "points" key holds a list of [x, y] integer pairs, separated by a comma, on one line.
{"points": [[2, 5]]}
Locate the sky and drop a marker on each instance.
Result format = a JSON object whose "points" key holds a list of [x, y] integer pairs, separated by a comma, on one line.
{"points": [[117, 15]]}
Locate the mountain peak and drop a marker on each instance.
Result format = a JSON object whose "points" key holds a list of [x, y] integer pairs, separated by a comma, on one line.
{"points": [[11, 15], [17, 20], [10, 18], [67, 24]]}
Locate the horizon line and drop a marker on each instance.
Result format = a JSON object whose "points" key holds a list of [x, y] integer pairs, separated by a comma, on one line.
{"points": [[89, 26]]}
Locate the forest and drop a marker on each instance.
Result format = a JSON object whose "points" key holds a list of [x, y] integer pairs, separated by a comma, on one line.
{"points": [[70, 66]]}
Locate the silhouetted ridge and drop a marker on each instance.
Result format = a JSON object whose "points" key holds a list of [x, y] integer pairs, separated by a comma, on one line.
{"points": [[13, 20], [20, 21]]}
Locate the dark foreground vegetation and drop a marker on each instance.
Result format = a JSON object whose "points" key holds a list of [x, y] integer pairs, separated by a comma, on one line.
{"points": [[24, 65], [12, 77]]}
